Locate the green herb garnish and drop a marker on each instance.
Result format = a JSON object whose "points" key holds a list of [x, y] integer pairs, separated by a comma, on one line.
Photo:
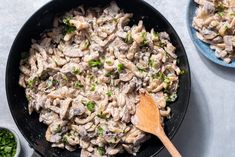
{"points": [[109, 93], [7, 143], [109, 74], [64, 139], [161, 76], [78, 84], [67, 19], [102, 115], [115, 20], [155, 36], [101, 151], [166, 80], [141, 69], [162, 44], [32, 82], [91, 106], [182, 72], [109, 62], [220, 9], [171, 98], [58, 129], [152, 63], [65, 77], [68, 28], [86, 44], [120, 67], [100, 131], [128, 38], [95, 63], [93, 87], [221, 13], [144, 39], [75, 71]]}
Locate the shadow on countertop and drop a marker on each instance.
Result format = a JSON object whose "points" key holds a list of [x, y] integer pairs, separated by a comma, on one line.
{"points": [[193, 136], [223, 72], [22, 152]]}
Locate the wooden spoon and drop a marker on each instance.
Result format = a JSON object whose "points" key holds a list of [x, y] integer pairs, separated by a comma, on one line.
{"points": [[147, 119]]}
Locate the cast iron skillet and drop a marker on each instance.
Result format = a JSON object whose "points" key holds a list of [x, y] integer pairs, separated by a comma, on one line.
{"points": [[29, 125]]}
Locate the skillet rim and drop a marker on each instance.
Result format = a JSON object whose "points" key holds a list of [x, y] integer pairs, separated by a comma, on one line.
{"points": [[177, 39]]}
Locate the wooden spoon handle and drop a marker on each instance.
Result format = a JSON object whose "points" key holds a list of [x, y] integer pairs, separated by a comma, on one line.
{"points": [[168, 144]]}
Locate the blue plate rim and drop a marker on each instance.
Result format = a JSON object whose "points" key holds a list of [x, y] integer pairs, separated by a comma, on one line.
{"points": [[209, 54]]}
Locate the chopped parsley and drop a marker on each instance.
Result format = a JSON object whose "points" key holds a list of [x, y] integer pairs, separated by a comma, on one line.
{"points": [[166, 80], [95, 63], [220, 9], [109, 74], [100, 131], [7, 143], [182, 72], [75, 71], [93, 87], [109, 93], [85, 44], [155, 36], [90, 106], [162, 44], [109, 62], [32, 82], [101, 151], [152, 63], [68, 28], [128, 38], [67, 19], [221, 13], [65, 140], [102, 115], [144, 39], [171, 98], [115, 20], [160, 75], [65, 77], [78, 84], [120, 67], [58, 129], [141, 69]]}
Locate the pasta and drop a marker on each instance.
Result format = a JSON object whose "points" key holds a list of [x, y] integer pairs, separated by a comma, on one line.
{"points": [[84, 77], [215, 25]]}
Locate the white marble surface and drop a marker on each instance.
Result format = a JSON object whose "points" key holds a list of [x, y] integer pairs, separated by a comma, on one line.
{"points": [[209, 127]]}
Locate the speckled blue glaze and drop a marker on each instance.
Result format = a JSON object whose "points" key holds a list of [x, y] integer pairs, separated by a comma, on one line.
{"points": [[203, 48]]}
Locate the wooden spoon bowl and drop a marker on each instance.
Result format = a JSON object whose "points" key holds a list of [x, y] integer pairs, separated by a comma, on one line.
{"points": [[148, 119]]}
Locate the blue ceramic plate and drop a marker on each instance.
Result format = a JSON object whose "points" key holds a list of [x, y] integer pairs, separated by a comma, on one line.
{"points": [[203, 48]]}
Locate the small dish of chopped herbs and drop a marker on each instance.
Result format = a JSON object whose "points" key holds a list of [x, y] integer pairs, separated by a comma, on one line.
{"points": [[9, 143]]}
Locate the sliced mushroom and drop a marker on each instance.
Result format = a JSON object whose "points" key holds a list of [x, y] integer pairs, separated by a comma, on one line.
{"points": [[208, 34], [228, 41], [72, 51], [126, 76], [64, 107]]}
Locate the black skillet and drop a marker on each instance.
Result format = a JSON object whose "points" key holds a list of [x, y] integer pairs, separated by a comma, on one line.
{"points": [[29, 125]]}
